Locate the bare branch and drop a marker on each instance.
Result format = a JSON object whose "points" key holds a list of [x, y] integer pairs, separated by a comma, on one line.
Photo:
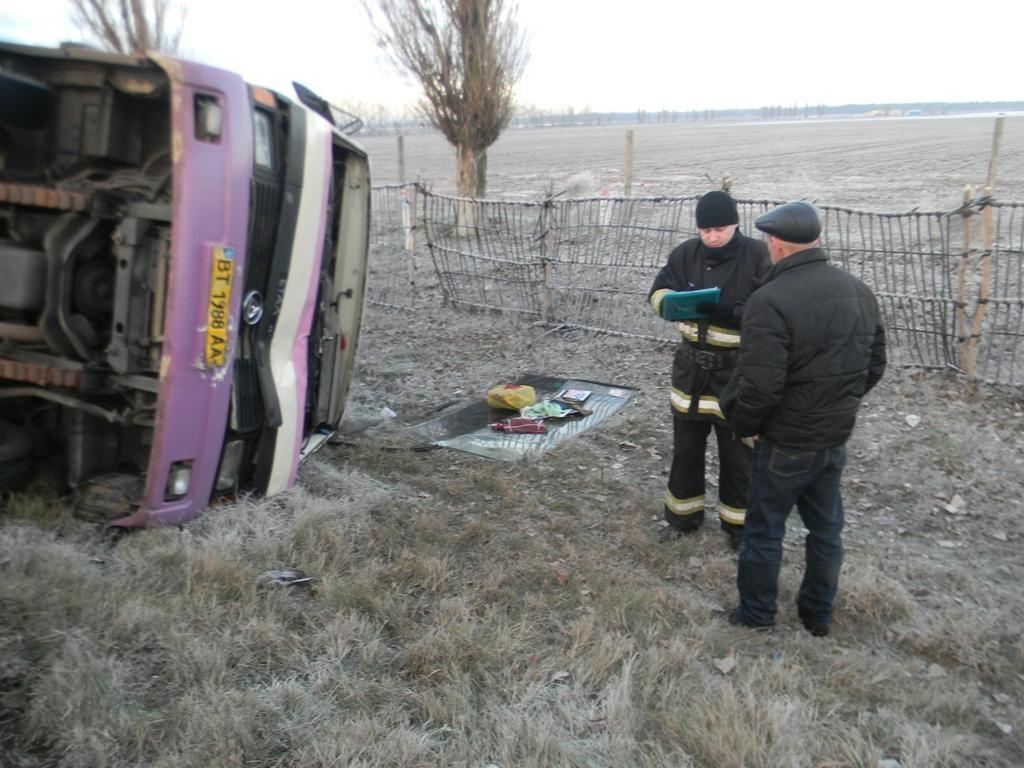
{"points": [[131, 26]]}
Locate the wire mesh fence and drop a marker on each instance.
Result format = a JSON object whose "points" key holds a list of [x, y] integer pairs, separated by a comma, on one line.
{"points": [[950, 283], [487, 254], [394, 268], [909, 261], [999, 315]]}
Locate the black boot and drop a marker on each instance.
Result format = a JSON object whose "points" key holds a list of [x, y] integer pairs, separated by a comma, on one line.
{"points": [[816, 626], [735, 534], [679, 525]]}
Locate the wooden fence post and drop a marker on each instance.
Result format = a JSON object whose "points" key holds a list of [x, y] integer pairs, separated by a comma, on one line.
{"points": [[627, 172], [988, 237], [545, 253], [409, 200], [961, 293], [997, 137], [401, 159]]}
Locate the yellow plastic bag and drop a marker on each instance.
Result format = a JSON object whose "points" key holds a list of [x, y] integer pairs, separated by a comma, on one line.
{"points": [[511, 396]]}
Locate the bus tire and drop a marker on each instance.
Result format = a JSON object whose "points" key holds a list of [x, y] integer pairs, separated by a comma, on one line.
{"points": [[16, 463]]}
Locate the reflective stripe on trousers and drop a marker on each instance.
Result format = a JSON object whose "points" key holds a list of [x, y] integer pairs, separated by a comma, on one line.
{"points": [[684, 497]]}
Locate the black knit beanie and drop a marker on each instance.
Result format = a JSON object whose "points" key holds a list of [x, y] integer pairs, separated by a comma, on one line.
{"points": [[716, 209]]}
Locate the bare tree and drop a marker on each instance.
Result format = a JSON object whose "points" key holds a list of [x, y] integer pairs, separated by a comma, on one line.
{"points": [[131, 26], [467, 56]]}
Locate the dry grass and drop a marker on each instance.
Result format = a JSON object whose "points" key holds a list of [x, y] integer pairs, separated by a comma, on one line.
{"points": [[470, 613]]}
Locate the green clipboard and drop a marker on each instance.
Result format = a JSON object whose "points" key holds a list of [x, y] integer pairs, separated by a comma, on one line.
{"points": [[682, 305]]}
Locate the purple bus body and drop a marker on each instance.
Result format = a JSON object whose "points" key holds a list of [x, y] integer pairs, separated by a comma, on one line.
{"points": [[142, 387], [211, 204]]}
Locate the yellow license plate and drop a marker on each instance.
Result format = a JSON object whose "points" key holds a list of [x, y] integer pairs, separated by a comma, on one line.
{"points": [[218, 306]]}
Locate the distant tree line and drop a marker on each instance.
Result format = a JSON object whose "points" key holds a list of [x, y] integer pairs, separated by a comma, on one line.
{"points": [[778, 112], [380, 119]]}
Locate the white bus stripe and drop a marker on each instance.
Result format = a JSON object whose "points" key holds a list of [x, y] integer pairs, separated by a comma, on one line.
{"points": [[289, 335]]}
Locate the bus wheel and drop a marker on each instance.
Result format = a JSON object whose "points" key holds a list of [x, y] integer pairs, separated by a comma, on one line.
{"points": [[16, 463]]}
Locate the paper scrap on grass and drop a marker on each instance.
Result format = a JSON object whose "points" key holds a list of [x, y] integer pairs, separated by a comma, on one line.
{"points": [[287, 577], [956, 506], [725, 665], [467, 428]]}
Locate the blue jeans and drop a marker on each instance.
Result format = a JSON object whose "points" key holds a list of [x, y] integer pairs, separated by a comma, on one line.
{"points": [[780, 478]]}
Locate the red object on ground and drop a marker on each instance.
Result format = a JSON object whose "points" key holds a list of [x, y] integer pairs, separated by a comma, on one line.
{"points": [[520, 424]]}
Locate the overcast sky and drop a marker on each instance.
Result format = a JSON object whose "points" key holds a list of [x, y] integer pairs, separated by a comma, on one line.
{"points": [[621, 55]]}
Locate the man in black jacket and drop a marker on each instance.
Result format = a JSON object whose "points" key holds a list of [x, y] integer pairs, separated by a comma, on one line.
{"points": [[725, 259], [813, 345]]}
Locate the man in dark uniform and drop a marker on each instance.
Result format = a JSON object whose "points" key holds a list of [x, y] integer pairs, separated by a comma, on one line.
{"points": [[813, 346], [724, 258]]}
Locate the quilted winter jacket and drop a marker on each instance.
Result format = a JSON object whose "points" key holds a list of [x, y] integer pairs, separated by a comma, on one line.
{"points": [[813, 345], [736, 269]]}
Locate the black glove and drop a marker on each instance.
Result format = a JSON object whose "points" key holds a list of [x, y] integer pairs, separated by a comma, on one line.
{"points": [[721, 314]]}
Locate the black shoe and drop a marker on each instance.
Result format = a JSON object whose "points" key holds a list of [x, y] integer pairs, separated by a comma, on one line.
{"points": [[732, 618], [815, 626], [671, 533], [735, 540], [735, 533]]}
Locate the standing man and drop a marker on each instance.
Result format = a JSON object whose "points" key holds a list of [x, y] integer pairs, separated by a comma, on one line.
{"points": [[813, 346], [721, 257]]}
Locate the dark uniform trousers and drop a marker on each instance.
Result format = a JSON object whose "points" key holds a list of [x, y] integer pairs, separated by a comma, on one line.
{"points": [[684, 503], [701, 366]]}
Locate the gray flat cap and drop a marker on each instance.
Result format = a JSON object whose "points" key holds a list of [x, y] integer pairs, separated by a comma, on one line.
{"points": [[793, 222]]}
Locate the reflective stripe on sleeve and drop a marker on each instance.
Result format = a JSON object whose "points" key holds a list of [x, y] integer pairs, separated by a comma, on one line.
{"points": [[689, 331], [656, 298]]}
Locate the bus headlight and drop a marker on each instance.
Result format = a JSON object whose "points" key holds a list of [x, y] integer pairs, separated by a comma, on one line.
{"points": [[179, 478], [230, 462]]}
